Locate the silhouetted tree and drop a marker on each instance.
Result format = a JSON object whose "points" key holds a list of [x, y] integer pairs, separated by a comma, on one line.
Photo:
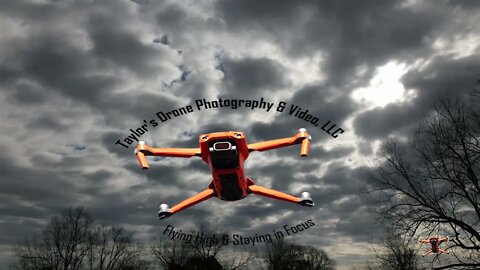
{"points": [[201, 263], [172, 255], [63, 244], [281, 255], [181, 254], [73, 242], [112, 248], [431, 182], [398, 254]]}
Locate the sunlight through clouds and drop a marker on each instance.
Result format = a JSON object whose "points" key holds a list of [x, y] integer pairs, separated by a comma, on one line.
{"points": [[385, 87]]}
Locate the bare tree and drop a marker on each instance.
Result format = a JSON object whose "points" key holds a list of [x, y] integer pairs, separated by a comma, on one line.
{"points": [[316, 259], [208, 250], [72, 242], [171, 254], [193, 253], [196, 253], [278, 254], [398, 254], [236, 259], [112, 248], [282, 255], [431, 183], [62, 245]]}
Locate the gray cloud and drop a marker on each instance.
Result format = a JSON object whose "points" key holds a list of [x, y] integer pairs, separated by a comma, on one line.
{"points": [[351, 35], [379, 122], [248, 77], [444, 76], [123, 48]]}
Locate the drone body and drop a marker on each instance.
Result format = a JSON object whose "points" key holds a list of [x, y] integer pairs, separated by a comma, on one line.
{"points": [[225, 153], [434, 245]]}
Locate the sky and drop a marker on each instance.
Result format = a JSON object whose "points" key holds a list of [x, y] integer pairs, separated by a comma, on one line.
{"points": [[75, 76]]}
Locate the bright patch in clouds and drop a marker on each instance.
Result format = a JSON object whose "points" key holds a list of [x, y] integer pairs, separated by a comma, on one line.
{"points": [[385, 87]]}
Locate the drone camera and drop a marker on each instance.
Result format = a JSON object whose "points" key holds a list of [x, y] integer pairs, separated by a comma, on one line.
{"points": [[222, 146]]}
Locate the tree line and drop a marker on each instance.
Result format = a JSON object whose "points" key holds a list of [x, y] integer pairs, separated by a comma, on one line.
{"points": [[73, 241]]}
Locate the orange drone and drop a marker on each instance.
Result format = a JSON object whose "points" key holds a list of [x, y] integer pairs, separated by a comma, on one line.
{"points": [[435, 242], [225, 153]]}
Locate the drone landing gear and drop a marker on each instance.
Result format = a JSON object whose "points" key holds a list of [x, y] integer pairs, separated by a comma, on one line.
{"points": [[305, 200], [164, 211], [443, 251], [427, 253]]}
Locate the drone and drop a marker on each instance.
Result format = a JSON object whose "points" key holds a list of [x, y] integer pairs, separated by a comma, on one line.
{"points": [[225, 153], [435, 243]]}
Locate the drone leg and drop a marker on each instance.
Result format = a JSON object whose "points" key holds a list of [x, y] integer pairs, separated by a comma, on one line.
{"points": [[165, 212], [443, 251], [426, 253], [305, 200]]}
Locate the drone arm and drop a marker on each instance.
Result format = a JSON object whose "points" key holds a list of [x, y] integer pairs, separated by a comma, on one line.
{"points": [[175, 152], [273, 194], [200, 197], [443, 251], [143, 150], [423, 241], [445, 239], [302, 137], [427, 253]]}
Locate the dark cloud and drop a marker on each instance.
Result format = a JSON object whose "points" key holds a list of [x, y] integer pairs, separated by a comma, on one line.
{"points": [[352, 36], [41, 187], [8, 74], [444, 76], [379, 122], [12, 228], [123, 47], [266, 14], [344, 198], [466, 4], [339, 182], [99, 175], [366, 39], [28, 94], [55, 64], [47, 122], [248, 77], [358, 224], [162, 40], [365, 149], [173, 17], [30, 11]]}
